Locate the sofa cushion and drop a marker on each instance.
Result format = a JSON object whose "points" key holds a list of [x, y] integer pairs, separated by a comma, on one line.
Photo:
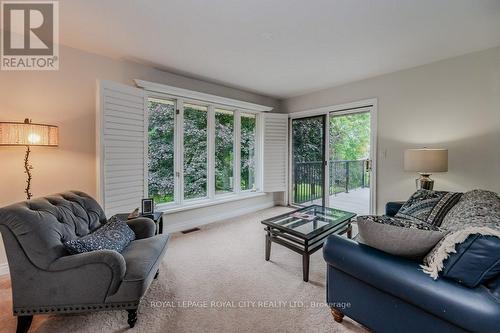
{"points": [[475, 208], [434, 261], [428, 206], [398, 236], [475, 261], [141, 255], [494, 286], [114, 235]]}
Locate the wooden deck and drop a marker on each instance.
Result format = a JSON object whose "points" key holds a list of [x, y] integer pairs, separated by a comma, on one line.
{"points": [[356, 201]]}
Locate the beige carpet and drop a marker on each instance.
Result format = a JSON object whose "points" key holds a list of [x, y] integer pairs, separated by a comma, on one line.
{"points": [[209, 280]]}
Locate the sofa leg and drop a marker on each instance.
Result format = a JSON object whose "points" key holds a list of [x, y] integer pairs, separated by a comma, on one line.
{"points": [[157, 273], [132, 317], [23, 324], [337, 315]]}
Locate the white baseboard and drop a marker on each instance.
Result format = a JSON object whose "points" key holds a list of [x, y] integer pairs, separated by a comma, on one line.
{"points": [[189, 224], [4, 269]]}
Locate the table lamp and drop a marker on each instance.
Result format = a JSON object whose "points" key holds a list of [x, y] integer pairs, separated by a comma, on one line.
{"points": [[28, 134], [426, 161]]}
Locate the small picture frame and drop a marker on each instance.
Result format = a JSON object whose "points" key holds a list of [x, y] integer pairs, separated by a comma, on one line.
{"points": [[147, 206]]}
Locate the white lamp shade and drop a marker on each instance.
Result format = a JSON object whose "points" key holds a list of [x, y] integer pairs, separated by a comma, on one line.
{"points": [[426, 160]]}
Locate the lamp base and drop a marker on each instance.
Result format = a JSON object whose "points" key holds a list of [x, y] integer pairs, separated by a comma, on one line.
{"points": [[424, 182]]}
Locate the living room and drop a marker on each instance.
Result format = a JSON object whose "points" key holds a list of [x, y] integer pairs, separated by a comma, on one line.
{"points": [[289, 166]]}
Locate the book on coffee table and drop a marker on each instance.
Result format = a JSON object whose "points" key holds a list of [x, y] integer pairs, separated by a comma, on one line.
{"points": [[304, 216]]}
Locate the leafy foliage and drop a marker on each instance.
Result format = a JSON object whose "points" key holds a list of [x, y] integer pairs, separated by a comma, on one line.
{"points": [[248, 152], [161, 151], [349, 141], [350, 137], [195, 152], [224, 141], [308, 139]]}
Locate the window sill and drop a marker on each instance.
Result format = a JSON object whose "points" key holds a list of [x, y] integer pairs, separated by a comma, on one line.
{"points": [[172, 208]]}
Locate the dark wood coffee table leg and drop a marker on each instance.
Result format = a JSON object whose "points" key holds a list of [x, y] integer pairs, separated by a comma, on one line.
{"points": [[349, 231], [305, 267], [268, 245]]}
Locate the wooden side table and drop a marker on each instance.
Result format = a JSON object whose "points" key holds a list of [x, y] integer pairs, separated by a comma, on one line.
{"points": [[157, 217]]}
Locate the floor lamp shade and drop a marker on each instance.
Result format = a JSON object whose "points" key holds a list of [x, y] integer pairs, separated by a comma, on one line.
{"points": [[426, 161], [28, 134]]}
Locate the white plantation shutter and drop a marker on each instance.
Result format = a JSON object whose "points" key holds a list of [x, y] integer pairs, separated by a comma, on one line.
{"points": [[275, 152], [121, 147]]}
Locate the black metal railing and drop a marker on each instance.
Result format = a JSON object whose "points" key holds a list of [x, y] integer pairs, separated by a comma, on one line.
{"points": [[344, 176]]}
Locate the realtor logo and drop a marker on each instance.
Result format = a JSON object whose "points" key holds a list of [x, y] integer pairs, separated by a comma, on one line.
{"points": [[30, 35]]}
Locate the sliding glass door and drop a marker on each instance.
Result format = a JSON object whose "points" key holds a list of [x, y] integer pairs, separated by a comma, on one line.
{"points": [[349, 162], [331, 159], [308, 161]]}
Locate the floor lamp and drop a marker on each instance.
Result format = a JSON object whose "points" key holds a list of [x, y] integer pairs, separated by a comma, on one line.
{"points": [[28, 134]]}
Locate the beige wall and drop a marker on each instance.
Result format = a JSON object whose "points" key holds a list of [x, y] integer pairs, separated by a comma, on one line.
{"points": [[454, 104], [67, 98]]}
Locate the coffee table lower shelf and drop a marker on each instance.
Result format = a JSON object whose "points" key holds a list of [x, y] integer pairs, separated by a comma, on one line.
{"points": [[302, 246]]}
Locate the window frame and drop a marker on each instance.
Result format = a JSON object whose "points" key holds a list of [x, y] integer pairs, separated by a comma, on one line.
{"points": [[181, 170], [146, 143], [179, 202], [257, 156], [234, 112]]}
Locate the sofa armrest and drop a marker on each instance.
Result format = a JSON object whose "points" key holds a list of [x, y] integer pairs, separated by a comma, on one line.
{"points": [[143, 227], [404, 279], [108, 260], [392, 207]]}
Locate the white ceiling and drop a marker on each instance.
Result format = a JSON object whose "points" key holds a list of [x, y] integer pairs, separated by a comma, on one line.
{"points": [[281, 48]]}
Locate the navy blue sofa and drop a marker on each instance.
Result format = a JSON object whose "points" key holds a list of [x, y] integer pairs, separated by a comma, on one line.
{"points": [[387, 293]]}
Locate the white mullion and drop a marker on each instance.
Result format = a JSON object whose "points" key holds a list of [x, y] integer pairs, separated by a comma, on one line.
{"points": [[179, 152], [237, 152], [326, 188], [211, 152], [146, 146], [259, 153]]}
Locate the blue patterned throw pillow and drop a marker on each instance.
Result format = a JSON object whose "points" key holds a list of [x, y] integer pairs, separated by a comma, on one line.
{"points": [[428, 206], [114, 235]]}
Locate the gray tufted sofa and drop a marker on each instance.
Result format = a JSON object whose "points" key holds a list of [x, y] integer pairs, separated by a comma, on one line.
{"points": [[46, 279]]}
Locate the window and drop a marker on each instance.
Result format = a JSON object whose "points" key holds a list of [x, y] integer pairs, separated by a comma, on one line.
{"points": [[224, 151], [199, 152], [161, 149], [247, 151], [195, 151]]}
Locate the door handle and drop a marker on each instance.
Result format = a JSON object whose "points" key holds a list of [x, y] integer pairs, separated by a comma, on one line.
{"points": [[368, 165]]}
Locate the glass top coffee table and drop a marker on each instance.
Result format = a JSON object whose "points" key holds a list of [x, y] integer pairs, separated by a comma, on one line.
{"points": [[305, 230]]}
